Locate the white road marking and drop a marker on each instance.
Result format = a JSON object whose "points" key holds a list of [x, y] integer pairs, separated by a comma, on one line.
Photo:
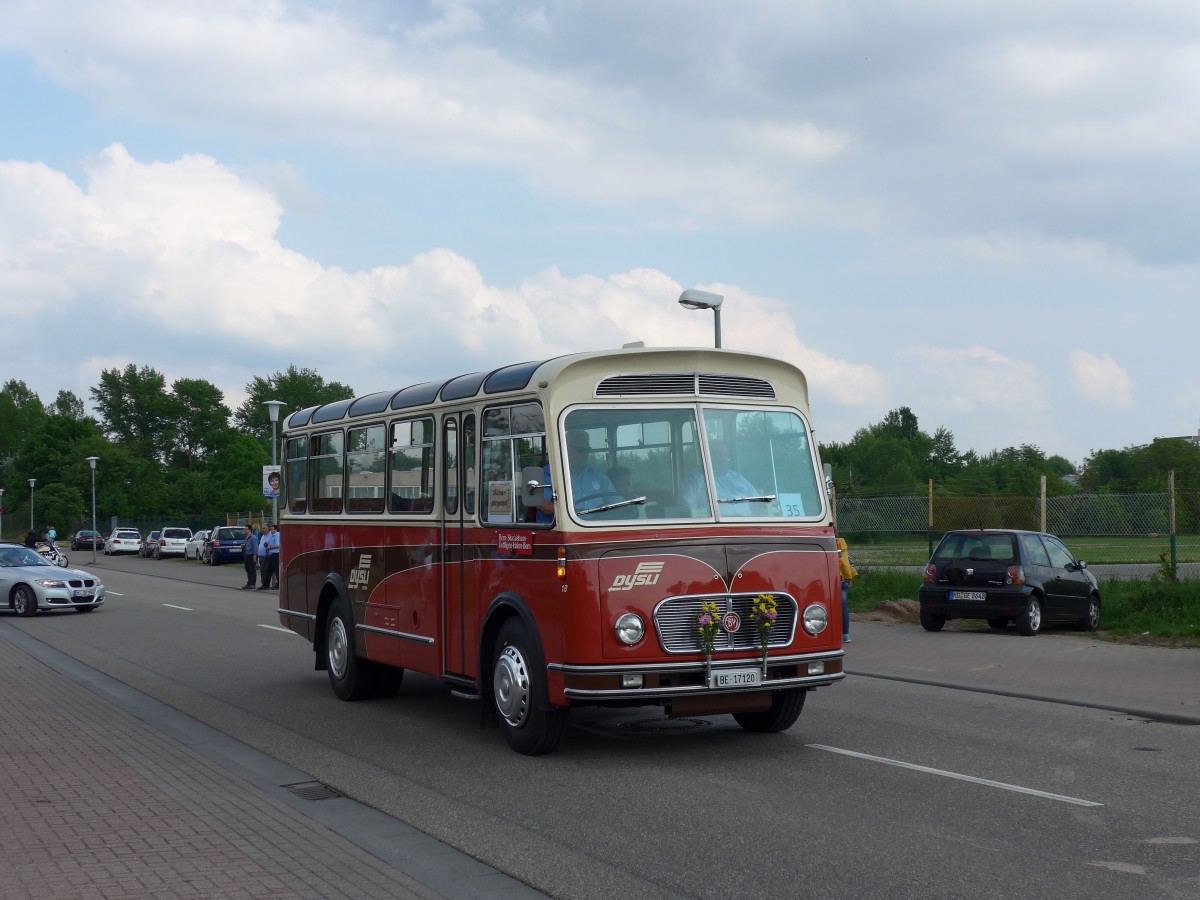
{"points": [[277, 628], [112, 594], [173, 606], [960, 777]]}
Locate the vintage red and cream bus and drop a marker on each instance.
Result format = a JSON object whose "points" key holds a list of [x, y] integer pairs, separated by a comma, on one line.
{"points": [[642, 527]]}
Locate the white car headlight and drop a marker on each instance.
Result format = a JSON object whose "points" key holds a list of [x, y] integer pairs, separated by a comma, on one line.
{"points": [[630, 628], [50, 583], [816, 619]]}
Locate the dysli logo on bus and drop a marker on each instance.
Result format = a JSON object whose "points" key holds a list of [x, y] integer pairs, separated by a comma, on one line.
{"points": [[360, 576], [646, 574]]}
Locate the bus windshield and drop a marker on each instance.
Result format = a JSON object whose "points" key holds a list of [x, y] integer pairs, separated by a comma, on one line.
{"points": [[690, 462]]}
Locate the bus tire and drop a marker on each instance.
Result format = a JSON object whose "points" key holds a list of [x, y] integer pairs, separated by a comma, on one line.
{"points": [[350, 677], [786, 707], [387, 681], [519, 692]]}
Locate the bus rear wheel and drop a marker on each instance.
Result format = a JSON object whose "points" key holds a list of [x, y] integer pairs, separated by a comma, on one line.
{"points": [[786, 707], [350, 677], [519, 692]]}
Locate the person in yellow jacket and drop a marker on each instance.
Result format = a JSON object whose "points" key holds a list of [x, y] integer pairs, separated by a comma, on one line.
{"points": [[848, 574]]}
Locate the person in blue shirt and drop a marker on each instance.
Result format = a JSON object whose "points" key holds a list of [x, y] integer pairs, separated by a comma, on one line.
{"points": [[590, 487], [249, 556], [269, 557]]}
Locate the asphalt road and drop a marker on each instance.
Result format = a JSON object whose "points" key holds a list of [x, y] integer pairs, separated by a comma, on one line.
{"points": [[884, 789]]}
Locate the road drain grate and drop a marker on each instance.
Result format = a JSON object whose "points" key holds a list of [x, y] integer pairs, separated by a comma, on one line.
{"points": [[312, 790]]}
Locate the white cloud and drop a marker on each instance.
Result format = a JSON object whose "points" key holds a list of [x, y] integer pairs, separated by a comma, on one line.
{"points": [[973, 379], [1101, 380], [188, 252]]}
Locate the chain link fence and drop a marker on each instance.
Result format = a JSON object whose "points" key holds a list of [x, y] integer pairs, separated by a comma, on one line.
{"points": [[1116, 529]]}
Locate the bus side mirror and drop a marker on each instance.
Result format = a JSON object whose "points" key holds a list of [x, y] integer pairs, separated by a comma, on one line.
{"points": [[533, 485]]}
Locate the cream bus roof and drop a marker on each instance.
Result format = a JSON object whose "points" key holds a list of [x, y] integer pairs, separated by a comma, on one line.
{"points": [[647, 372]]}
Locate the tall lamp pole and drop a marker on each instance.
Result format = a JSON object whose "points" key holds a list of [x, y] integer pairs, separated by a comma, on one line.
{"points": [[32, 482], [1, 512], [273, 407], [697, 299], [92, 462]]}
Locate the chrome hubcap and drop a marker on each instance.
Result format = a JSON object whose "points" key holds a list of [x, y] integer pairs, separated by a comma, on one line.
{"points": [[511, 680], [1035, 615], [337, 647]]}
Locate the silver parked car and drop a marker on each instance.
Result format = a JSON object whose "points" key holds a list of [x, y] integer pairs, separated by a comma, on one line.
{"points": [[29, 583]]}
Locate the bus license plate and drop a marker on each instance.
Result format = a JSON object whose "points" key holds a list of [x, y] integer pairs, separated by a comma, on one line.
{"points": [[731, 678], [969, 595], [84, 592]]}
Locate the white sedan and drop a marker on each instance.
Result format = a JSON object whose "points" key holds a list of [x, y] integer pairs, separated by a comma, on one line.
{"points": [[193, 548]]}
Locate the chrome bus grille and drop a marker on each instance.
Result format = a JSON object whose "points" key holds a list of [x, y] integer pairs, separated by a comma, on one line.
{"points": [[677, 621]]}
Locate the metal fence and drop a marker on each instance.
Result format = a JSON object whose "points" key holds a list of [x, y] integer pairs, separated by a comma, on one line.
{"points": [[1145, 530]]}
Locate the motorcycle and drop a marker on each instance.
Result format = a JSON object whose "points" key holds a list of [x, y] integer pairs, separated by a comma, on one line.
{"points": [[53, 555]]}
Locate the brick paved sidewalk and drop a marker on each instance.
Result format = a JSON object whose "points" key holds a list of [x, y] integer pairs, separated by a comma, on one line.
{"points": [[98, 803]]}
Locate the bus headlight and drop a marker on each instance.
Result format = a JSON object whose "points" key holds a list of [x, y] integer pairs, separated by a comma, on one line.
{"points": [[629, 628], [816, 619]]}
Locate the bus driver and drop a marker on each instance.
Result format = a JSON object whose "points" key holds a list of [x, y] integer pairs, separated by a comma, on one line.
{"points": [[587, 482]]}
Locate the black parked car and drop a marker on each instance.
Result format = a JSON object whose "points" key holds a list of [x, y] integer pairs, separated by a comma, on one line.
{"points": [[93, 540], [1027, 577]]}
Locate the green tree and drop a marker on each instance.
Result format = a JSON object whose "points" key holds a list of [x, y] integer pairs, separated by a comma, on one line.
{"points": [[136, 411], [21, 411], [67, 404], [201, 422], [295, 388]]}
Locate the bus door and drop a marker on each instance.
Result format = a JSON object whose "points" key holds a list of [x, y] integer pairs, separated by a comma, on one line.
{"points": [[459, 554]]}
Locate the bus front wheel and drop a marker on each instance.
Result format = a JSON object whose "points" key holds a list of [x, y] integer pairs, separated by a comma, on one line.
{"points": [[519, 690], [349, 676], [785, 709]]}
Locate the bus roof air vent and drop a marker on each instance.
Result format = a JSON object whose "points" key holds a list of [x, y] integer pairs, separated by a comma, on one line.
{"points": [[695, 384], [736, 386]]}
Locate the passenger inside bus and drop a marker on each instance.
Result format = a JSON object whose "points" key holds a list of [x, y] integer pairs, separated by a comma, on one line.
{"points": [[731, 484]]}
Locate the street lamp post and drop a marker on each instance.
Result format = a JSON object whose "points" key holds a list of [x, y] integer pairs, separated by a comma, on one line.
{"points": [[1, 512], [273, 407], [696, 299], [32, 482], [92, 462]]}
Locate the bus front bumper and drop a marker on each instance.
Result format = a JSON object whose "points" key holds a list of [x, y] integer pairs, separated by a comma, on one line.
{"points": [[656, 682]]}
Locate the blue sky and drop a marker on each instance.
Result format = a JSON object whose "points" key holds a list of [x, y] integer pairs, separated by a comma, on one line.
{"points": [[986, 212]]}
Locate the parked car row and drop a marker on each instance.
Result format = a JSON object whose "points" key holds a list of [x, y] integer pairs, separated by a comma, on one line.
{"points": [[174, 541], [211, 547]]}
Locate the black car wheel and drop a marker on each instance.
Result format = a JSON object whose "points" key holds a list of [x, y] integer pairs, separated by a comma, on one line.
{"points": [[932, 621], [24, 603], [1091, 621], [1029, 622]]}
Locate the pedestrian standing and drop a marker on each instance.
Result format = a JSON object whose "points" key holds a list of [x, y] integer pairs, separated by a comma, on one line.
{"points": [[848, 574], [249, 557], [273, 555], [264, 573]]}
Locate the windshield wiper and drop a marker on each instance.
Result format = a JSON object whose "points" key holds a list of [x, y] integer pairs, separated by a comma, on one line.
{"points": [[767, 499], [606, 507]]}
